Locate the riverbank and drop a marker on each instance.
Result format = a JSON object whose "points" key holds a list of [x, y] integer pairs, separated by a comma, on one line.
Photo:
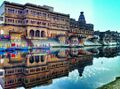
{"points": [[112, 85]]}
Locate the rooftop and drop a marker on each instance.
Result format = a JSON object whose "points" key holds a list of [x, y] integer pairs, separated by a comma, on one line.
{"points": [[45, 7]]}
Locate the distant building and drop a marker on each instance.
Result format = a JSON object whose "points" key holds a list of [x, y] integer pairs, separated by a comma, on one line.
{"points": [[80, 29], [108, 37]]}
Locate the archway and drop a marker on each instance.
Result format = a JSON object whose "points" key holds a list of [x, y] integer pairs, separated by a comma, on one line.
{"points": [[31, 59], [42, 33], [42, 58], [36, 59], [37, 33], [32, 33]]}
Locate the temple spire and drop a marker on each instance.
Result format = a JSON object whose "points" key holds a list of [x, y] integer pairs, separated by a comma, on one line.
{"points": [[81, 20]]}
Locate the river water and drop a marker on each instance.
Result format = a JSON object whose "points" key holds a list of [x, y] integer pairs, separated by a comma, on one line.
{"points": [[60, 68]]}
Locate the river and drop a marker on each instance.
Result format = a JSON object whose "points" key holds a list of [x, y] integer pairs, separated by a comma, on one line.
{"points": [[61, 68]]}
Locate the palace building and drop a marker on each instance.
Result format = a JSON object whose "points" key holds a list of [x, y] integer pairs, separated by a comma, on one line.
{"points": [[35, 25], [34, 22]]}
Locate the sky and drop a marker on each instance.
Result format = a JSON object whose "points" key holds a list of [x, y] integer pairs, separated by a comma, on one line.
{"points": [[104, 14]]}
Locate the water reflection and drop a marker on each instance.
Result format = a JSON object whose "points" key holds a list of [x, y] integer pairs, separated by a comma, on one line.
{"points": [[33, 68]]}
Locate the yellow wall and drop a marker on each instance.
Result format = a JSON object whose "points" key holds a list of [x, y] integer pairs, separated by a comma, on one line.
{"points": [[6, 29]]}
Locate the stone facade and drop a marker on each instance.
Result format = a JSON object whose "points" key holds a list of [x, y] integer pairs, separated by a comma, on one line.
{"points": [[36, 22], [80, 29]]}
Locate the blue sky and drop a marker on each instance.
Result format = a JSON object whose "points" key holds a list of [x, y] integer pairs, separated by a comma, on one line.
{"points": [[104, 14]]}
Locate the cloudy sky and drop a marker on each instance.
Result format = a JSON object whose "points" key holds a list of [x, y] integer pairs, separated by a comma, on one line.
{"points": [[104, 14]]}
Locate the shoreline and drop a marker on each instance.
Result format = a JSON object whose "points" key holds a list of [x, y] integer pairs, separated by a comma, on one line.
{"points": [[115, 84]]}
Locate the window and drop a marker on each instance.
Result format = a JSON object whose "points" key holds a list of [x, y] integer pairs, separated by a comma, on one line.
{"points": [[20, 12], [26, 21], [31, 33], [62, 19], [11, 20], [1, 18], [33, 22], [38, 13], [19, 21], [32, 70], [31, 60], [38, 69], [19, 70], [37, 33], [38, 23], [44, 14], [33, 13], [48, 24], [42, 33], [42, 59], [36, 59], [10, 81], [1, 73], [19, 79], [43, 23], [26, 11], [10, 10]]}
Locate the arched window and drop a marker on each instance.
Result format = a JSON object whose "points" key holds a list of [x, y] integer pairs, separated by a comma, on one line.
{"points": [[42, 59], [32, 33], [36, 59], [37, 33], [42, 33], [31, 60]]}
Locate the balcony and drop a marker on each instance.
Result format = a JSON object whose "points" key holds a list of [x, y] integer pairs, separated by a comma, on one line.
{"points": [[37, 38]]}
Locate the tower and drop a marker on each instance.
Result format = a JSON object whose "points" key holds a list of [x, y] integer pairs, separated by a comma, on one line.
{"points": [[81, 20]]}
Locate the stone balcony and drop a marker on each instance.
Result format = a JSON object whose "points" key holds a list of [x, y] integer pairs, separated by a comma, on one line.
{"points": [[37, 38]]}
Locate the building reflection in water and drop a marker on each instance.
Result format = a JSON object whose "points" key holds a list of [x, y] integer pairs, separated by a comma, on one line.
{"points": [[36, 67]]}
